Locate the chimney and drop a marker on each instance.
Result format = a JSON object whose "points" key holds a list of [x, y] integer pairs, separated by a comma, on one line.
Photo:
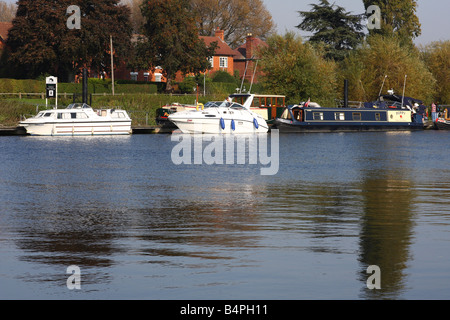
{"points": [[249, 46], [219, 33]]}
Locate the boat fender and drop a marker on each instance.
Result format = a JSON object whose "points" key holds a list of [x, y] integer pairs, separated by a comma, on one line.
{"points": [[233, 125], [255, 122], [222, 123]]}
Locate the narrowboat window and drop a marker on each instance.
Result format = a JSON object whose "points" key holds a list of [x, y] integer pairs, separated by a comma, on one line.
{"points": [[377, 117], [357, 116], [286, 114], [339, 116], [73, 115], [297, 114], [318, 116], [60, 115]]}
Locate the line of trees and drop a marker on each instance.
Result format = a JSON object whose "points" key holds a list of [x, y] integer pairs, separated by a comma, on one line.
{"points": [[40, 41], [339, 49]]}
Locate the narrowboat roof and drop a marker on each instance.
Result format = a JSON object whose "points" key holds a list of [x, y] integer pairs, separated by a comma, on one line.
{"points": [[369, 107]]}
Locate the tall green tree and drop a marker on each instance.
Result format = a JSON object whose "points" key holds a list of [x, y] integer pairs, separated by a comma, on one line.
{"points": [[40, 41], [331, 25], [297, 70], [398, 18], [172, 39], [367, 67], [437, 58]]}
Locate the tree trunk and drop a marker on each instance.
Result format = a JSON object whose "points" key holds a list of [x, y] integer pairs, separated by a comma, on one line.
{"points": [[169, 87]]}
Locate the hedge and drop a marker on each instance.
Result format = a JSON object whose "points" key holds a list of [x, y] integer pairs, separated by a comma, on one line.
{"points": [[94, 86]]}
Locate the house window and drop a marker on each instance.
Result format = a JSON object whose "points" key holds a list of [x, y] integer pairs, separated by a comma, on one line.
{"points": [[357, 116], [211, 62], [158, 77], [134, 76], [318, 116], [223, 62], [339, 116]]}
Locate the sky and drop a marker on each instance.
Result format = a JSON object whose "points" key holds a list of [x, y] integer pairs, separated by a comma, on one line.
{"points": [[433, 15]]}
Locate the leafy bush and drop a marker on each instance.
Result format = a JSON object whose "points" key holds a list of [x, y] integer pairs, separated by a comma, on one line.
{"points": [[224, 77]]}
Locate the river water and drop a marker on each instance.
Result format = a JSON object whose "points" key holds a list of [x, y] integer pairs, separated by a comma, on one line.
{"points": [[138, 226]]}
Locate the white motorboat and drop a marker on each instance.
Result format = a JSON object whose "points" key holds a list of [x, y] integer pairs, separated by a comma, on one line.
{"points": [[78, 119], [221, 117]]}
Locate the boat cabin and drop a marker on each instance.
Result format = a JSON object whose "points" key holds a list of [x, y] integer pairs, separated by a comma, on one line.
{"points": [[268, 106], [79, 111]]}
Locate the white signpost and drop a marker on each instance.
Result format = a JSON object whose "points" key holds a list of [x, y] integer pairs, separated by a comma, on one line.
{"points": [[51, 89]]}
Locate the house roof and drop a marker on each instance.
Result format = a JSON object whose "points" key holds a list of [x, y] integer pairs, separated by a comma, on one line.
{"points": [[223, 49], [241, 51], [4, 28]]}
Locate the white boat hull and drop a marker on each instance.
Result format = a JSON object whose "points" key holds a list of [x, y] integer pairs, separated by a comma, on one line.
{"points": [[221, 117], [78, 120], [191, 124], [78, 129]]}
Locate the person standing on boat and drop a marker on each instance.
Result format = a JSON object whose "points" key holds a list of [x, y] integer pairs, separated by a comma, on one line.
{"points": [[433, 112]]}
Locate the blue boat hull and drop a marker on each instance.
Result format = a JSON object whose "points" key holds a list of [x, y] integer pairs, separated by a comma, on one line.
{"points": [[284, 126]]}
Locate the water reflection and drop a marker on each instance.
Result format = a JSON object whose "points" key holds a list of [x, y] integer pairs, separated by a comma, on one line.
{"points": [[386, 233], [136, 223]]}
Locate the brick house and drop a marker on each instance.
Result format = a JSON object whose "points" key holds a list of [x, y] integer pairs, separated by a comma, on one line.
{"points": [[246, 56], [223, 59], [4, 28]]}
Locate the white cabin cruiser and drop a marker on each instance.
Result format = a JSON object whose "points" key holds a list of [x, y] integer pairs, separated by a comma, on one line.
{"points": [[221, 117], [78, 119]]}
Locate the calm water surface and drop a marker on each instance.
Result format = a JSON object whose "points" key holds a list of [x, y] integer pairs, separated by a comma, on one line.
{"points": [[140, 227]]}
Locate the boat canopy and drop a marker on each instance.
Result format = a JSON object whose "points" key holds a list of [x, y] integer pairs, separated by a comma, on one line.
{"points": [[406, 100], [78, 106]]}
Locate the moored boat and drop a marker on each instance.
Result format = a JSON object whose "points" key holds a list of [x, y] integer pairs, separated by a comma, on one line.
{"points": [[78, 119], [268, 106], [221, 117], [389, 113], [443, 122]]}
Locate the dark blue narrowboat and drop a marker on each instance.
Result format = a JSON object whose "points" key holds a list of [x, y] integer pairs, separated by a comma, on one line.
{"points": [[386, 114]]}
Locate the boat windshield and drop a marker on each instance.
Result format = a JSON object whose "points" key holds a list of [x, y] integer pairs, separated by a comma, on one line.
{"points": [[223, 104], [78, 106]]}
